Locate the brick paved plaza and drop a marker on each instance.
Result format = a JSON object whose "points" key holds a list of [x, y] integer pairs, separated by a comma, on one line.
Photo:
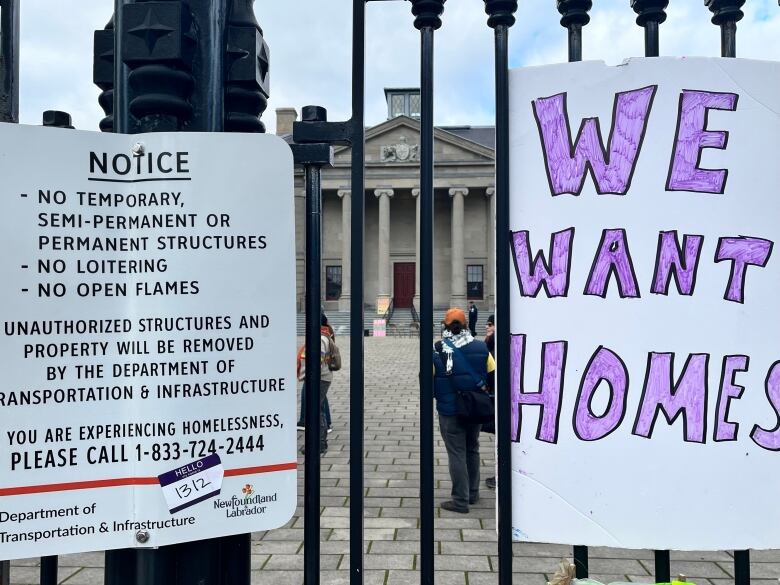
{"points": [[466, 544]]}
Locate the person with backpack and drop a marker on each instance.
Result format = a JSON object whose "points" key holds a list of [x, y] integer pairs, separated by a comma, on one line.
{"points": [[463, 378], [330, 361], [301, 371]]}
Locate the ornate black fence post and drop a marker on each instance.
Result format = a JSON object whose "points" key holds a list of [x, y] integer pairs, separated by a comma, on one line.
{"points": [[247, 71], [352, 133], [650, 14], [726, 14], [312, 157], [182, 65], [427, 20], [103, 73], [574, 15], [501, 18]]}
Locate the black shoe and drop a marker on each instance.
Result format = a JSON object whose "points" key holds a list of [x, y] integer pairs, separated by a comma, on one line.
{"points": [[452, 507], [491, 482], [473, 501]]}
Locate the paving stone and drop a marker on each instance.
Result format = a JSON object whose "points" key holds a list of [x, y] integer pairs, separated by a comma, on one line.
{"points": [[368, 533], [449, 534], [377, 561], [764, 556], [689, 569], [390, 522], [456, 522], [34, 562], [707, 555], [31, 575], [395, 547], [82, 577], [274, 547], [757, 570], [277, 577], [617, 567], [468, 548], [259, 561], [89, 559]]}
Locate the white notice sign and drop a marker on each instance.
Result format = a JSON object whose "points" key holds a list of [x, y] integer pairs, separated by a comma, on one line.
{"points": [[645, 315], [148, 342]]}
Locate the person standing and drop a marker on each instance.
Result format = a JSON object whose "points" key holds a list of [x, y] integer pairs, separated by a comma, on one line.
{"points": [[330, 361], [461, 364], [473, 314], [301, 369], [490, 341]]}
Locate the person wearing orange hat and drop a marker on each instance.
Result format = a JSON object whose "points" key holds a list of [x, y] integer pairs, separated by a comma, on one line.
{"points": [[462, 365]]}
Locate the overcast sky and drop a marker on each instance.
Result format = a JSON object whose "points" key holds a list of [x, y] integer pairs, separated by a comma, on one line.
{"points": [[310, 42]]}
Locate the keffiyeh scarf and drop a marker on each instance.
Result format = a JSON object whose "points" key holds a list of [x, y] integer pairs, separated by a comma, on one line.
{"points": [[461, 339]]}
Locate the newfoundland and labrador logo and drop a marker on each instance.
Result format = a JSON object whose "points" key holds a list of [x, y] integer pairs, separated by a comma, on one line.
{"points": [[248, 504]]}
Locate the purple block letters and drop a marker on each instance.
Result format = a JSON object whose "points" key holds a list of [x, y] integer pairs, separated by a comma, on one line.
{"points": [[612, 256], [669, 262], [612, 170], [742, 251], [687, 397], [692, 137], [725, 430], [770, 440], [604, 366], [550, 387], [555, 277]]}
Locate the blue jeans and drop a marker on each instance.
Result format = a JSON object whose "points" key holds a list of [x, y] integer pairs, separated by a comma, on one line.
{"points": [[325, 409]]}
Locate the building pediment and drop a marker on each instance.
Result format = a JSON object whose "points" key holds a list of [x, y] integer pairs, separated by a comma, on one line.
{"points": [[397, 142]]}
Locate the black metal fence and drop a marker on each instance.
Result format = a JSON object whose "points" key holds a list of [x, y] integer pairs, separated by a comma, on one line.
{"points": [[202, 93]]}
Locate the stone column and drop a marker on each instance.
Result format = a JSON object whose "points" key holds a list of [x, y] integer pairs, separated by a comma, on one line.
{"points": [[458, 286], [383, 260], [346, 251], [490, 292], [416, 301]]}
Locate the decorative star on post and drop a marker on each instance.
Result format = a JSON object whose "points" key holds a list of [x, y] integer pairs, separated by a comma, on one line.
{"points": [[150, 30]]}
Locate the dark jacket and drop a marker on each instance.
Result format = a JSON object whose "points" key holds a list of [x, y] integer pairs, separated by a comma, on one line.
{"points": [[445, 387]]}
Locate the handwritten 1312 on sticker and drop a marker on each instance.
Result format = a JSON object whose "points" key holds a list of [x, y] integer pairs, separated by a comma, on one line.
{"points": [[192, 483]]}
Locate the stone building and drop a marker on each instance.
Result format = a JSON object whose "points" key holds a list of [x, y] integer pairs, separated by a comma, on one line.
{"points": [[464, 211]]}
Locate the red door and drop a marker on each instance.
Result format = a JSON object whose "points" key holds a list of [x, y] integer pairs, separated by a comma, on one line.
{"points": [[403, 284]]}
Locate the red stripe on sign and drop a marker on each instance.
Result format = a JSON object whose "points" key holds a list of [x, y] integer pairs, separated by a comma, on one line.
{"points": [[123, 481], [262, 469]]}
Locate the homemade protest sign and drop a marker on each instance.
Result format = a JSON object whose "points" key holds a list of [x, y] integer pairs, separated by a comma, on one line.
{"points": [[147, 303], [645, 348]]}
